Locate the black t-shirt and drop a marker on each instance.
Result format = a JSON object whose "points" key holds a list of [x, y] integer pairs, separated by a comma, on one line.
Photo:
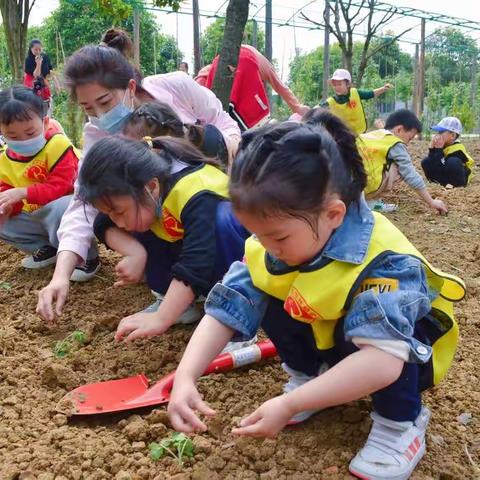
{"points": [[196, 263], [30, 64]]}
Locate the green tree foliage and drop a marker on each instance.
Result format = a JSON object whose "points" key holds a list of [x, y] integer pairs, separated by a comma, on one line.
{"points": [[452, 52], [390, 59], [120, 10], [211, 39], [77, 25]]}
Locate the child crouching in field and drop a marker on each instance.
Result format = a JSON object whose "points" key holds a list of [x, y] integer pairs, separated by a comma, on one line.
{"points": [[448, 162], [351, 305], [387, 160], [165, 208], [37, 171]]}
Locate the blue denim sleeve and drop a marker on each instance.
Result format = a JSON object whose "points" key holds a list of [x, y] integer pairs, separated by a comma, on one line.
{"points": [[392, 314], [237, 303]]}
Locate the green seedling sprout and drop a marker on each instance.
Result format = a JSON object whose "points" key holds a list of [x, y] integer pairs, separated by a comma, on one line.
{"points": [[63, 347], [5, 285], [178, 445]]}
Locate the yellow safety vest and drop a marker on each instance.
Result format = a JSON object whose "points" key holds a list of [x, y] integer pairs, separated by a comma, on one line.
{"points": [[351, 113], [322, 297], [374, 148], [22, 174], [207, 178], [459, 147]]}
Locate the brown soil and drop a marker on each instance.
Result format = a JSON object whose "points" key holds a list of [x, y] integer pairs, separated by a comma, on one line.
{"points": [[36, 442]]}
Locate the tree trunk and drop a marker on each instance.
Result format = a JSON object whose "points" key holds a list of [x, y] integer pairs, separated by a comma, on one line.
{"points": [[236, 18], [197, 54], [15, 15]]}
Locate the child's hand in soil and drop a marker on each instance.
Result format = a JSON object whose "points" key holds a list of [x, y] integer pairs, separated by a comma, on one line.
{"points": [[140, 325], [267, 420], [55, 292], [184, 402], [131, 269], [439, 206]]}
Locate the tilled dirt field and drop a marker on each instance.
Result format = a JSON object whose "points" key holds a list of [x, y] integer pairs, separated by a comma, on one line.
{"points": [[38, 443]]}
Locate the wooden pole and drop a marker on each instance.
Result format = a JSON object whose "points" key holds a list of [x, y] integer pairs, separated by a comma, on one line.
{"points": [[196, 37], [326, 51], [268, 29], [473, 92], [415, 102], [421, 83], [254, 33], [136, 37]]}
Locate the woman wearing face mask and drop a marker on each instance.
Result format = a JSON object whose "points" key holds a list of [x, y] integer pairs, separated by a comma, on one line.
{"points": [[108, 88], [37, 171]]}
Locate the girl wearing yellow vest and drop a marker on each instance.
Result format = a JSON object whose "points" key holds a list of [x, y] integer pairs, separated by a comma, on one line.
{"points": [[164, 208], [448, 162], [352, 306], [347, 101], [37, 171]]}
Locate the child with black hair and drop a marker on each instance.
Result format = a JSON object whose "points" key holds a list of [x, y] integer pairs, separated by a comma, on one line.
{"points": [[156, 119], [387, 161], [37, 172], [165, 208], [336, 287], [448, 162]]}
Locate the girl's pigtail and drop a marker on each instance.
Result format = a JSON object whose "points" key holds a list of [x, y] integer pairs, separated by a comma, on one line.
{"points": [[347, 144]]}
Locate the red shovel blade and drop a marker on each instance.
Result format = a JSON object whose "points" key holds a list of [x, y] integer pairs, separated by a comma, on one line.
{"points": [[133, 392]]}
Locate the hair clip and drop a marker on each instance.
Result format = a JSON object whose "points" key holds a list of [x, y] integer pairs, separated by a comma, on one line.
{"points": [[148, 141]]}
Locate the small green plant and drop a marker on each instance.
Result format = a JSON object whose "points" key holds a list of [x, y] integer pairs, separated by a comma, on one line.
{"points": [[63, 347], [178, 445], [5, 285]]}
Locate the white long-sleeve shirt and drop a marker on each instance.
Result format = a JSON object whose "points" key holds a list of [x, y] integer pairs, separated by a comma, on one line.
{"points": [[191, 102]]}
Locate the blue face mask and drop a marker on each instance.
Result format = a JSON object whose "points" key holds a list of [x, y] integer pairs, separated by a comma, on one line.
{"points": [[27, 148], [113, 120]]}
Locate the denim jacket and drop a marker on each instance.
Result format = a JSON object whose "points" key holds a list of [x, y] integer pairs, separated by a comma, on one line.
{"points": [[237, 303]]}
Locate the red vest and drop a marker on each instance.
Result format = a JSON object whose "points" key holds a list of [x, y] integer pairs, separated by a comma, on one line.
{"points": [[248, 98]]}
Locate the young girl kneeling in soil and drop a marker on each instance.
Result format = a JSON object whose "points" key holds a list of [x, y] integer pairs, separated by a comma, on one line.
{"points": [[165, 209], [351, 305], [37, 171]]}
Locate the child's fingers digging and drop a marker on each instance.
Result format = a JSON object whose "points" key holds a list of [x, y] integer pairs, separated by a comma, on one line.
{"points": [[186, 420], [203, 407]]}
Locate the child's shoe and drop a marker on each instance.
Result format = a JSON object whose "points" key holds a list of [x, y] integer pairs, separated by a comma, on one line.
{"points": [[41, 258], [381, 206], [297, 379], [233, 346], [87, 271], [191, 315], [393, 449]]}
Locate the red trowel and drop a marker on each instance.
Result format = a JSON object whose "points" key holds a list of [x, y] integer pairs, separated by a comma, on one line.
{"points": [[133, 392]]}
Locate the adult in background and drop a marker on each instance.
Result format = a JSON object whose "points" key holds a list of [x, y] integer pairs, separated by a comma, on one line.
{"points": [[347, 101], [38, 71], [249, 101], [106, 85]]}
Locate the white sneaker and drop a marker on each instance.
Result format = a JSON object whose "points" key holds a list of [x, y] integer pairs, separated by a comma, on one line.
{"points": [[381, 206], [393, 449], [297, 379], [233, 346], [193, 313]]}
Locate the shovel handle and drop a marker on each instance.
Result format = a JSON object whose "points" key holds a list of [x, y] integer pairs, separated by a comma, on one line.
{"points": [[244, 356], [160, 391]]}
